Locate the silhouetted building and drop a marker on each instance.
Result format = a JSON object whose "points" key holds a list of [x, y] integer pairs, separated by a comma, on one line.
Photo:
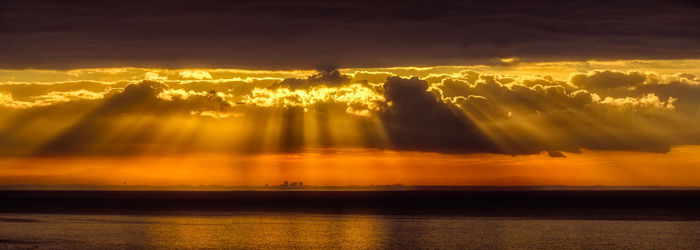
{"points": [[295, 184]]}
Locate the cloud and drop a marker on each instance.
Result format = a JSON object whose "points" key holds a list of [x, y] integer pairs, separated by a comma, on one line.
{"points": [[50, 98], [330, 77], [149, 97], [304, 34], [358, 98], [682, 88], [7, 100], [142, 105], [608, 79], [416, 119], [199, 74], [556, 154], [522, 118], [458, 111]]}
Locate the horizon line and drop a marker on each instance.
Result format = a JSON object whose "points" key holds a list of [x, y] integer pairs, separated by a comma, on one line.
{"points": [[379, 187]]}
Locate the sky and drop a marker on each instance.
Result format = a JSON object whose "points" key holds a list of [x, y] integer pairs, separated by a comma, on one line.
{"points": [[309, 34], [350, 93]]}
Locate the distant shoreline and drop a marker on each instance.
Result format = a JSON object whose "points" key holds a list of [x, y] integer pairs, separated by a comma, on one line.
{"points": [[393, 187], [680, 205]]}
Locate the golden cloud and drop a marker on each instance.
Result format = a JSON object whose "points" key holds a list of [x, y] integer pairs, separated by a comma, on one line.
{"points": [[453, 109]]}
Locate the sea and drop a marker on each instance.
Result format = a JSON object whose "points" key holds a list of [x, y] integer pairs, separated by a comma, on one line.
{"points": [[332, 231], [70, 220]]}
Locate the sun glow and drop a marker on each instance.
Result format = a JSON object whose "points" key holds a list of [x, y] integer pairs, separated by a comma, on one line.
{"points": [[514, 123], [362, 167]]}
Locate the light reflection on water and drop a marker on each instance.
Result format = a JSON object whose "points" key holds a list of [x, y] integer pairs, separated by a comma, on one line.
{"points": [[277, 230]]}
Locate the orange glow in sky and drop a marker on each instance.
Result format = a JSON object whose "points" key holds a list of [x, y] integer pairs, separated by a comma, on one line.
{"points": [[362, 167], [618, 123]]}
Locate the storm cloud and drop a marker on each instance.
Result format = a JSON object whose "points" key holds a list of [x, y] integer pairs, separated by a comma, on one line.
{"points": [[463, 111], [312, 33]]}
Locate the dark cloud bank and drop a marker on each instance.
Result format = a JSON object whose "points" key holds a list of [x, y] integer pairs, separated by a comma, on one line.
{"points": [[465, 113], [312, 33]]}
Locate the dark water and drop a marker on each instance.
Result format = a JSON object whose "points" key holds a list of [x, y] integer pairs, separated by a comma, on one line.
{"points": [[276, 230], [351, 220]]}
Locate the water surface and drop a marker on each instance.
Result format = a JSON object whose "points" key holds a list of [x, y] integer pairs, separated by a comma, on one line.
{"points": [[349, 231]]}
